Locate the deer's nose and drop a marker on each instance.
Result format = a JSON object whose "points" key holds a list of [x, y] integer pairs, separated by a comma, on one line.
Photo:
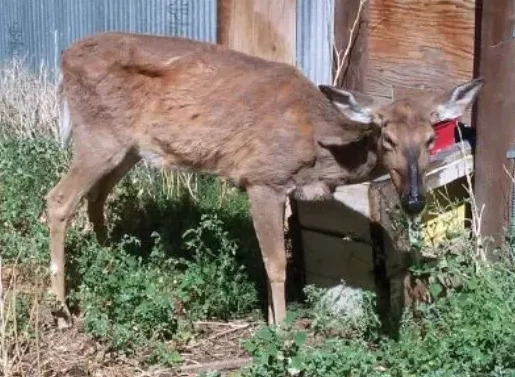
{"points": [[413, 204]]}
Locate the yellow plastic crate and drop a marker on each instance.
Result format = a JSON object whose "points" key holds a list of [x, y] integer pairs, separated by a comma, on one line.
{"points": [[447, 213]]}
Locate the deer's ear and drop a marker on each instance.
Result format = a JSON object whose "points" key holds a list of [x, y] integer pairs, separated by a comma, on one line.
{"points": [[454, 103], [347, 104]]}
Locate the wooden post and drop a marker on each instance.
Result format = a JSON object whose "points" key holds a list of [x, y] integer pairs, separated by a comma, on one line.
{"points": [[345, 12], [496, 115], [264, 28]]}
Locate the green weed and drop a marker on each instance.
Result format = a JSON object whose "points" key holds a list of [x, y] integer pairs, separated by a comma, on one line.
{"points": [[466, 331], [140, 295]]}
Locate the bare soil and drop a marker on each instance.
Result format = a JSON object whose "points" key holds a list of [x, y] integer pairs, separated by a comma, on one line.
{"points": [[72, 353]]}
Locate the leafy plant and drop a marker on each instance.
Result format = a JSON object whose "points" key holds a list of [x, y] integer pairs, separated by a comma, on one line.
{"points": [[213, 279], [140, 295], [277, 353], [467, 331], [135, 303], [27, 170]]}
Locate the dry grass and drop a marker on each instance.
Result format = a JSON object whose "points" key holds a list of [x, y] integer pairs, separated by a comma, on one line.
{"points": [[29, 105], [21, 312], [31, 346], [477, 213]]}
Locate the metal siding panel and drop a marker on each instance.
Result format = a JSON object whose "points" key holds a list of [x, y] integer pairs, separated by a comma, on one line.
{"points": [[25, 18], [315, 20], [42, 29], [3, 30], [19, 36], [3, 11]]}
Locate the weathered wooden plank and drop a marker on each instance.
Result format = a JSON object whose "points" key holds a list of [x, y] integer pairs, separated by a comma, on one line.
{"points": [[265, 28], [330, 259], [358, 194], [496, 115], [335, 218], [390, 253], [223, 26], [419, 44]]}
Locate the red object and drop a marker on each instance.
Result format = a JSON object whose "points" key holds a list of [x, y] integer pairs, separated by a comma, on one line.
{"points": [[444, 135]]}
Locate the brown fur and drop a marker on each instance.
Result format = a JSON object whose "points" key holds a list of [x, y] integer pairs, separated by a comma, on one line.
{"points": [[192, 105], [212, 109]]}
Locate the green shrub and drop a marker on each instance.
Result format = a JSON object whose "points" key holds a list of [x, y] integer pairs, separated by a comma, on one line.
{"points": [[213, 281], [157, 277], [134, 303], [175, 259], [28, 168], [469, 331]]}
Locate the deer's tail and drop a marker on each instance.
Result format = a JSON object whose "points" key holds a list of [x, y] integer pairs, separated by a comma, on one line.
{"points": [[65, 121]]}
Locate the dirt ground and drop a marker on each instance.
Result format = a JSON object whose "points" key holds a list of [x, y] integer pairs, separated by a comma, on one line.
{"points": [[72, 353], [53, 352]]}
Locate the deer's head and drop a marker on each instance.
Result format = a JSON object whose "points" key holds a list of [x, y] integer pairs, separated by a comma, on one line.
{"points": [[406, 134]]}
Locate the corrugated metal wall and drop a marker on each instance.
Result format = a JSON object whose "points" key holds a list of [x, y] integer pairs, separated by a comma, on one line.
{"points": [[38, 30], [315, 36]]}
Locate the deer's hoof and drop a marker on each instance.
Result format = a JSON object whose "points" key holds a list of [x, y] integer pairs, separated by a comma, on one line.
{"points": [[60, 313], [62, 317], [63, 324]]}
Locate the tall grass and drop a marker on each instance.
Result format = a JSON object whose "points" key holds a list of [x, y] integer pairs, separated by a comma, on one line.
{"points": [[29, 105]]}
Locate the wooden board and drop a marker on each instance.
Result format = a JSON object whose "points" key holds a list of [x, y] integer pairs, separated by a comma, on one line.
{"points": [[496, 115], [335, 217], [331, 259], [424, 44], [419, 45], [264, 28]]}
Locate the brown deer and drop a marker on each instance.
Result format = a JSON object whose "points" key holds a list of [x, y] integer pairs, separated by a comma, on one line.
{"points": [[178, 103]]}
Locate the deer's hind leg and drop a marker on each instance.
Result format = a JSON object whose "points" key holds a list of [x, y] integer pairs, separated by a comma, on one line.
{"points": [[98, 194], [85, 171]]}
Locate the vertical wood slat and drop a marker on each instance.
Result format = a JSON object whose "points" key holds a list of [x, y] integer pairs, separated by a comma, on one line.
{"points": [[496, 115], [264, 28], [345, 12], [415, 46]]}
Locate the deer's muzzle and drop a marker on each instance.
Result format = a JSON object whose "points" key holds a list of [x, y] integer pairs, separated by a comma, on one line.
{"points": [[414, 201]]}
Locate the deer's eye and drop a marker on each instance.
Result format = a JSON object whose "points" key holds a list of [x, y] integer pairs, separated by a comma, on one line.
{"points": [[430, 142], [388, 142]]}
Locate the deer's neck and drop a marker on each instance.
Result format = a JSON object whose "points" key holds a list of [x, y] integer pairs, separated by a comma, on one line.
{"points": [[370, 167], [355, 162], [374, 166]]}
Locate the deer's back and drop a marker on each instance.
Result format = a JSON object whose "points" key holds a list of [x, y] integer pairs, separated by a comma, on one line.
{"points": [[196, 105]]}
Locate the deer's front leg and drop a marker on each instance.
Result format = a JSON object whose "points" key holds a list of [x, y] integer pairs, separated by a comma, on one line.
{"points": [[267, 208]]}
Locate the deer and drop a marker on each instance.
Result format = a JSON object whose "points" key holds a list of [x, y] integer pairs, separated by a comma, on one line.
{"points": [[177, 103]]}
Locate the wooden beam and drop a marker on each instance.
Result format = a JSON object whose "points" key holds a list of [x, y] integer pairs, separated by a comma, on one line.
{"points": [[496, 115], [224, 8], [345, 12], [264, 28], [419, 45]]}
